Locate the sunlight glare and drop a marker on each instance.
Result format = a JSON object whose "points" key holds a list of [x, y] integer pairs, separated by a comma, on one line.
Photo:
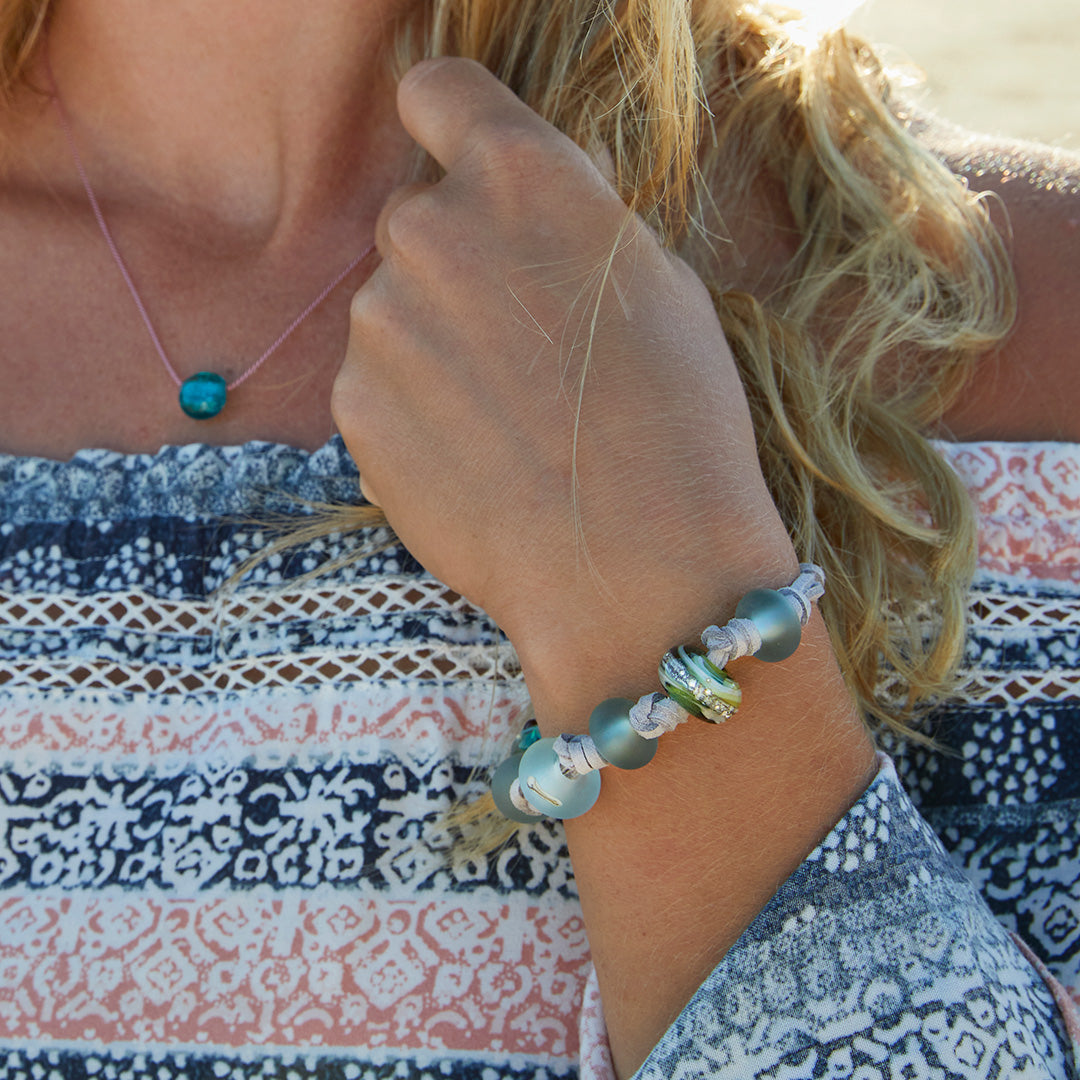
{"points": [[821, 15]]}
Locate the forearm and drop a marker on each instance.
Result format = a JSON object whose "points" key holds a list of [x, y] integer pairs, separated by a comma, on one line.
{"points": [[676, 859]]}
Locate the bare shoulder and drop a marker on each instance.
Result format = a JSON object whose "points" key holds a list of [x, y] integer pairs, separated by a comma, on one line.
{"points": [[1030, 387]]}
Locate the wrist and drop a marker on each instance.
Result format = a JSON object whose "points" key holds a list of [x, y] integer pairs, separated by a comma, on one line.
{"points": [[559, 775], [573, 662]]}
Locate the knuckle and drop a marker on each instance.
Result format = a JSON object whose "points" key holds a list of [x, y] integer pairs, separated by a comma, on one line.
{"points": [[360, 307], [372, 321], [511, 151], [344, 395], [372, 329], [411, 224], [415, 76]]}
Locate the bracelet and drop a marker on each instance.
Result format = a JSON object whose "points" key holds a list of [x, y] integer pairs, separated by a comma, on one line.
{"points": [[560, 777]]}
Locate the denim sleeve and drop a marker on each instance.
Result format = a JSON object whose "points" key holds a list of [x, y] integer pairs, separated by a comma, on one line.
{"points": [[875, 959]]}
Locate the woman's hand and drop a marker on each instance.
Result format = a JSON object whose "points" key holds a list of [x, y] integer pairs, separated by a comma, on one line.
{"points": [[599, 518], [571, 503]]}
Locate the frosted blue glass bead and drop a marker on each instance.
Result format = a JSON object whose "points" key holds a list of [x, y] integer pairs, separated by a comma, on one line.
{"points": [[776, 622], [615, 737], [549, 789], [501, 779], [203, 395]]}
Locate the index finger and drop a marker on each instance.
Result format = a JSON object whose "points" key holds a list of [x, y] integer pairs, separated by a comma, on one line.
{"points": [[446, 102]]}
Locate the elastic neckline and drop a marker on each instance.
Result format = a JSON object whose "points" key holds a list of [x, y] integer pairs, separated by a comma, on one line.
{"points": [[101, 455]]}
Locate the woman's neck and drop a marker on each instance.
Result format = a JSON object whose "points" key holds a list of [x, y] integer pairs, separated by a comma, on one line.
{"points": [[261, 118], [241, 153]]}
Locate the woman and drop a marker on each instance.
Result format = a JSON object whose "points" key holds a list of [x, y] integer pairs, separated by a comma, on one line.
{"points": [[217, 806]]}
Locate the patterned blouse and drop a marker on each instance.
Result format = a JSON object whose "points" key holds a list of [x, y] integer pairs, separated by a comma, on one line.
{"points": [[222, 840]]}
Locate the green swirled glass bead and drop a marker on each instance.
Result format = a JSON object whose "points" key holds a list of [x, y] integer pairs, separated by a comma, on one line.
{"points": [[775, 620], [203, 395], [698, 685]]}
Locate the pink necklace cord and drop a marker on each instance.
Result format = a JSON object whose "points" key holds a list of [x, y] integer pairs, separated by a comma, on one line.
{"points": [[65, 124]]}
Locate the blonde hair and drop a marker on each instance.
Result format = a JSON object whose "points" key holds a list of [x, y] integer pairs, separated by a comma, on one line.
{"points": [[896, 282], [21, 24]]}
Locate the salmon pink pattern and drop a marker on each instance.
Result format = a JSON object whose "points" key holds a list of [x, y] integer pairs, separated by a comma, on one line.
{"points": [[265, 726], [596, 1063], [1028, 500], [326, 970]]}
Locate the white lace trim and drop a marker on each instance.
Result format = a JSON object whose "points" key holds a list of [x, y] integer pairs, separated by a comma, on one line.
{"points": [[141, 611], [416, 664], [1000, 616], [994, 609], [245, 635]]}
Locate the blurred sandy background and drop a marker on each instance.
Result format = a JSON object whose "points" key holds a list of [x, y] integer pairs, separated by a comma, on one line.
{"points": [[1003, 67]]}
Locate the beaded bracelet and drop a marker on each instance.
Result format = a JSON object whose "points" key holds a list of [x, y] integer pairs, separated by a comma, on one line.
{"points": [[560, 777]]}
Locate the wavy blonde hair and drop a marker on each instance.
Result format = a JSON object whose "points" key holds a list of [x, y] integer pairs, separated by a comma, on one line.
{"points": [[894, 281]]}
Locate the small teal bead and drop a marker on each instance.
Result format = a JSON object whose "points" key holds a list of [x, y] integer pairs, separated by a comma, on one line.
{"points": [[549, 789], [615, 737], [203, 395], [776, 622], [529, 734], [501, 779]]}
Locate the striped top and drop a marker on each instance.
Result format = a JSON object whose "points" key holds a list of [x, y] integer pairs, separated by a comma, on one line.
{"points": [[221, 840]]}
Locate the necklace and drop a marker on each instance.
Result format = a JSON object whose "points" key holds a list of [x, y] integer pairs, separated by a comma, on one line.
{"points": [[202, 395]]}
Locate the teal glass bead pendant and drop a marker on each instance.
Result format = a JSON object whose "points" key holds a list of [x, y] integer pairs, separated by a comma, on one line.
{"points": [[203, 395]]}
